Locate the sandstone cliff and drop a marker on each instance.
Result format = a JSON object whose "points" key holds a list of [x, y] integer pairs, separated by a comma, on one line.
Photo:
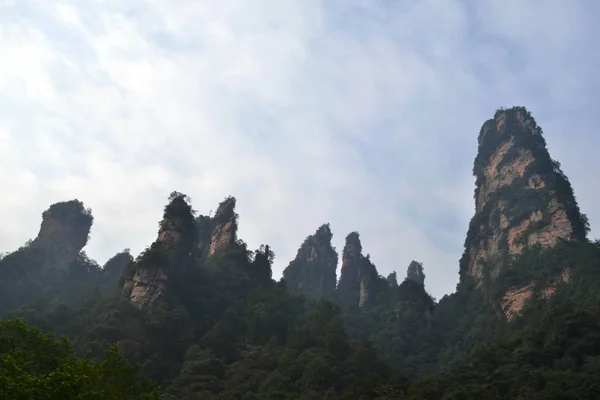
{"points": [[63, 233], [224, 234], [313, 271], [522, 199], [146, 279], [53, 264], [359, 278], [514, 298]]}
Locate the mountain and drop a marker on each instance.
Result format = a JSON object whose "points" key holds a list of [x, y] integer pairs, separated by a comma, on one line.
{"points": [[522, 199], [63, 233], [53, 266], [146, 279], [359, 282], [202, 317], [313, 271], [415, 273]]}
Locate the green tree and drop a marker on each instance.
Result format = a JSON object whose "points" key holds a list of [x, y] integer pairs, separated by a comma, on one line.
{"points": [[34, 365]]}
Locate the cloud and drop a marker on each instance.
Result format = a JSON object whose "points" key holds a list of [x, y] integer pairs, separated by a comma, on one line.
{"points": [[361, 114]]}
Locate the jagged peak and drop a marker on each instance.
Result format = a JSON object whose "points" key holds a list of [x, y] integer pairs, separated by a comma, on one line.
{"points": [[392, 279], [313, 270], [353, 244], [416, 273], [320, 239], [521, 115], [352, 248], [64, 232], [70, 214], [226, 210], [224, 234], [178, 219], [324, 232], [522, 197], [359, 280], [179, 205]]}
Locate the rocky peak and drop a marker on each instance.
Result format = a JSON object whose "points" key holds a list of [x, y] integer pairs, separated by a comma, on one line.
{"points": [[358, 276], [114, 267], [224, 234], [146, 279], [64, 232], [177, 221], [522, 198], [352, 249], [313, 271], [392, 280], [415, 273]]}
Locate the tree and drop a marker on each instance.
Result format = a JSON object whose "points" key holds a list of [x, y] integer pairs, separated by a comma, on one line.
{"points": [[34, 365]]}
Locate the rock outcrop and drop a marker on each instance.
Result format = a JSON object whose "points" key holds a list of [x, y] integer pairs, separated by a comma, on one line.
{"points": [[148, 286], [313, 271], [63, 233], [114, 267], [514, 299], [359, 278], [415, 273], [224, 234], [146, 280], [392, 280], [522, 198]]}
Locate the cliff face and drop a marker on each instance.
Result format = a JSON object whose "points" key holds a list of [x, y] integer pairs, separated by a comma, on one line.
{"points": [[147, 286], [146, 279], [358, 280], [53, 264], [64, 233], [514, 299], [522, 199], [313, 271], [224, 234]]}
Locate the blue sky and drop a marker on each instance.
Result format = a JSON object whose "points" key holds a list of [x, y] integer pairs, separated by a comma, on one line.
{"points": [[361, 114]]}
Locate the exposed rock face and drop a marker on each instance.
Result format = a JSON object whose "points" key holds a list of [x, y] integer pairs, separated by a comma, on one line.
{"points": [[522, 198], [312, 272], [415, 273], [148, 286], [64, 233], [359, 278], [204, 229], [514, 299], [224, 234], [146, 279]]}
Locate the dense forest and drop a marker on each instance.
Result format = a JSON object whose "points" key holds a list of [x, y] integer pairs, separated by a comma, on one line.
{"points": [[198, 315]]}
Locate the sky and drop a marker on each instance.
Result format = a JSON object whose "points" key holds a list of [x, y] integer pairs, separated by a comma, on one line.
{"points": [[363, 114]]}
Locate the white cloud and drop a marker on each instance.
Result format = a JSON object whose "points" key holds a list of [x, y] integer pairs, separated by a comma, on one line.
{"points": [[362, 114]]}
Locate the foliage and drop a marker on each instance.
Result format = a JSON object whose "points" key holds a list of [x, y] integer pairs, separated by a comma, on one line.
{"points": [[34, 365], [226, 330]]}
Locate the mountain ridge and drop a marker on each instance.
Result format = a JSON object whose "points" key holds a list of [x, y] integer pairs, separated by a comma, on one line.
{"points": [[202, 316]]}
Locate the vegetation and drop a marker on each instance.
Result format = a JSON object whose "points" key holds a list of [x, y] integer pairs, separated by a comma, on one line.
{"points": [[34, 365], [224, 329]]}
